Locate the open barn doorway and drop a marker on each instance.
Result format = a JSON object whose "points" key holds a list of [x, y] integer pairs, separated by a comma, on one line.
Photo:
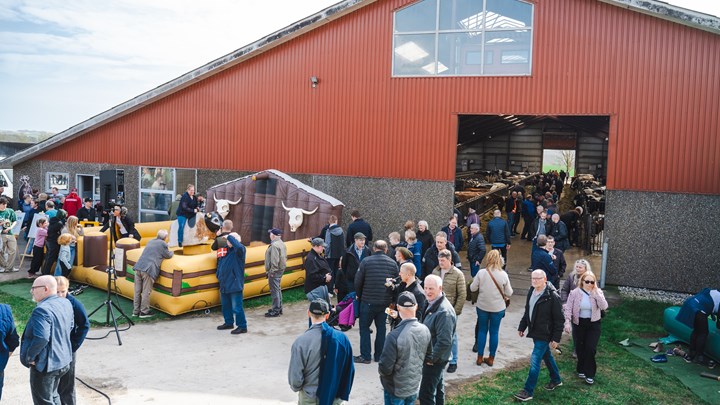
{"points": [[503, 152], [561, 161]]}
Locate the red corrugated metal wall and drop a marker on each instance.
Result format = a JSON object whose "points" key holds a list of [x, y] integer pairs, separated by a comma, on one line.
{"points": [[657, 80]]}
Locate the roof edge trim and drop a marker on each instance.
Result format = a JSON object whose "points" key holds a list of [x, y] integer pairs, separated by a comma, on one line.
{"points": [[251, 50], [672, 13]]}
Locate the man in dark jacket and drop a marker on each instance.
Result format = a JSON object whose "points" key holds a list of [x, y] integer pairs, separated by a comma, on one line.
{"points": [[560, 232], [9, 340], [454, 234], [528, 214], [430, 260], [497, 234], [544, 321], [231, 276], [571, 219], [411, 284], [334, 238], [402, 359], [321, 367], [66, 387], [186, 210], [476, 249], [358, 225], [374, 296], [147, 270], [87, 212], [440, 319], [317, 272], [558, 257], [354, 255], [541, 259], [51, 241]]}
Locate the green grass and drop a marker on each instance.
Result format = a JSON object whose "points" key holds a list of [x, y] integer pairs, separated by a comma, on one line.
{"points": [[23, 307], [622, 378]]}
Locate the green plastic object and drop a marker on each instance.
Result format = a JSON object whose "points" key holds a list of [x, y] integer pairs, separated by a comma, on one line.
{"points": [[682, 332]]}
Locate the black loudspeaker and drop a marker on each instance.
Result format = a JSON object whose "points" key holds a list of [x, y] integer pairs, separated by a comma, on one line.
{"points": [[112, 187]]}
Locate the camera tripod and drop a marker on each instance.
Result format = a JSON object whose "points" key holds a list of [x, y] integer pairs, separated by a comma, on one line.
{"points": [[109, 304]]}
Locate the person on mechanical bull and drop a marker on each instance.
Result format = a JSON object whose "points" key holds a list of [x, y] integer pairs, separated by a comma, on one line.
{"points": [[186, 211]]}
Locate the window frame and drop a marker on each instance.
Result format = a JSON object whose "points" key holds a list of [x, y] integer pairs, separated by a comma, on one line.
{"points": [[437, 32]]}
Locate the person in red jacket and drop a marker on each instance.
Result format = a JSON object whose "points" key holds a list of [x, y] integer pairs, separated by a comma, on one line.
{"points": [[72, 203]]}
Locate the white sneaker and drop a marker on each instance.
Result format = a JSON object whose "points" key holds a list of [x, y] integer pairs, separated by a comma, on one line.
{"points": [[15, 269]]}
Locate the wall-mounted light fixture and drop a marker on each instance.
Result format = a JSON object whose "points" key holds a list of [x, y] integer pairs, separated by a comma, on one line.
{"points": [[313, 81]]}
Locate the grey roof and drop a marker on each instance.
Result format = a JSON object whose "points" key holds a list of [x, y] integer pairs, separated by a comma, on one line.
{"points": [[654, 8]]}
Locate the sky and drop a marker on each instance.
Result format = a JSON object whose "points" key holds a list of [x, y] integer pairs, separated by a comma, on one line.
{"points": [[64, 61]]}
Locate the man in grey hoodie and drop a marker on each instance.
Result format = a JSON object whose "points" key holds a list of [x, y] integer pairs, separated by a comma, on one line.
{"points": [[402, 358]]}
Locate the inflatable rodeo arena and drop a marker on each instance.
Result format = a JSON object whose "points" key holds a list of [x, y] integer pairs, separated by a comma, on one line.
{"points": [[187, 282]]}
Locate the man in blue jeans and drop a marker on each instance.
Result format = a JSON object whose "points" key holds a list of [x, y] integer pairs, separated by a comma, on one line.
{"points": [[371, 286], [231, 277], [543, 319]]}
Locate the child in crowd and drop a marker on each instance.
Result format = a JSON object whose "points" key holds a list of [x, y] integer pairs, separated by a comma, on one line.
{"points": [[75, 230], [64, 257], [38, 247]]}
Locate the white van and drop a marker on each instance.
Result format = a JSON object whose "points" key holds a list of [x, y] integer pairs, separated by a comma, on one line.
{"points": [[6, 180]]}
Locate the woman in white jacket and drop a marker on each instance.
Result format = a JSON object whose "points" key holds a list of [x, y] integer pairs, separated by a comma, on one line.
{"points": [[490, 305]]}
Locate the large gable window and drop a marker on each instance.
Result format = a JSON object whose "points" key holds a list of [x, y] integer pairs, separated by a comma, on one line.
{"points": [[463, 38]]}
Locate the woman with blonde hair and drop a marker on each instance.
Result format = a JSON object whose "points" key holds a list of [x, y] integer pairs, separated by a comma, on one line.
{"points": [[583, 310], [73, 228], [493, 286], [571, 282]]}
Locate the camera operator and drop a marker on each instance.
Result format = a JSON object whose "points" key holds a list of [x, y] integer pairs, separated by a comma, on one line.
{"points": [[122, 224]]}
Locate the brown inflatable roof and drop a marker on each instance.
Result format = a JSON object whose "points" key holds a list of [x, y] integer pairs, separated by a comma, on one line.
{"points": [[261, 208]]}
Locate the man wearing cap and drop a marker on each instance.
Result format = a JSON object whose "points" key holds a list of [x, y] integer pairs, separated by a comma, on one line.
{"points": [[46, 348], [147, 270], [317, 272], [321, 368], [231, 276], [275, 263], [401, 362], [334, 237], [87, 212], [374, 296], [349, 265], [440, 319]]}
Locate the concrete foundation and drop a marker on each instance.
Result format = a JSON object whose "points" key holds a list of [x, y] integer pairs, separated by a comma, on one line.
{"points": [[663, 241]]}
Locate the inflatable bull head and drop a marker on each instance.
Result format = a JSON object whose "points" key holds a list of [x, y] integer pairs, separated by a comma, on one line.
{"points": [[296, 216], [223, 206]]}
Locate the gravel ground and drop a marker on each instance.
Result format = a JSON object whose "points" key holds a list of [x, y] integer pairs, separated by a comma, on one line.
{"points": [[668, 297]]}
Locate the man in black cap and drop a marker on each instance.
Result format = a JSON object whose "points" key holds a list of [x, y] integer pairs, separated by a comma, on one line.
{"points": [[349, 265], [317, 272], [275, 263], [321, 368], [87, 212], [401, 362]]}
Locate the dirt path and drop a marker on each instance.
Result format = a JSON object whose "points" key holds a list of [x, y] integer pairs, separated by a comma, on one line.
{"points": [[189, 362]]}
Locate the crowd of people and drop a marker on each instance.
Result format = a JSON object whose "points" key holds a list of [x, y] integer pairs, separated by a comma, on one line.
{"points": [[413, 281]]}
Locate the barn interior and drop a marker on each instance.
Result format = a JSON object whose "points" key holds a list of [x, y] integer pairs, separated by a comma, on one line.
{"points": [[495, 151]]}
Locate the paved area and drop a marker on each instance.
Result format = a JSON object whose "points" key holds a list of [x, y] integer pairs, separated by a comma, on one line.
{"points": [[187, 361]]}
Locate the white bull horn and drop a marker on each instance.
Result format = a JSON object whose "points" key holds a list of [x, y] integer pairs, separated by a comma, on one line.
{"points": [[283, 204], [232, 203], [310, 212], [214, 197]]}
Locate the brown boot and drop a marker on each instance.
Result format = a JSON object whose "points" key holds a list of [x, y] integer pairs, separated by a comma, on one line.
{"points": [[489, 361], [479, 361]]}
